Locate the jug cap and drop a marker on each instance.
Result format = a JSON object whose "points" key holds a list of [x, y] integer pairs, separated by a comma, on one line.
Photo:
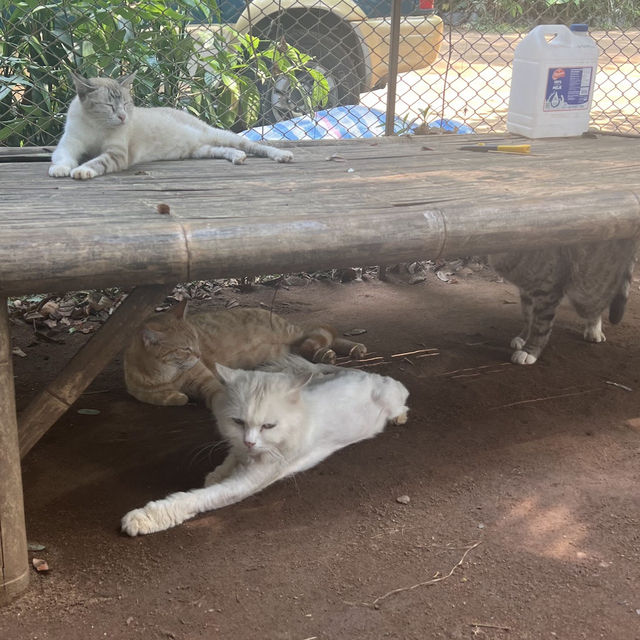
{"points": [[579, 27]]}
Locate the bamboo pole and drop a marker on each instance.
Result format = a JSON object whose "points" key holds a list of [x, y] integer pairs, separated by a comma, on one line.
{"points": [[14, 576], [142, 252], [82, 369]]}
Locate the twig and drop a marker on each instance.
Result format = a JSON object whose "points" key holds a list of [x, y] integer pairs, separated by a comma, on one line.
{"points": [[428, 355], [617, 384], [374, 364], [482, 366], [411, 353], [426, 583], [560, 395], [489, 626]]}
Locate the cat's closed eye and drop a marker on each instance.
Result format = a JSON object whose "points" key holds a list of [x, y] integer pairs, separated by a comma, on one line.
{"points": [[239, 422], [268, 426]]}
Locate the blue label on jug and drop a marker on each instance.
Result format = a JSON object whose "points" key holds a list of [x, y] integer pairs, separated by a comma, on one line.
{"points": [[568, 88]]}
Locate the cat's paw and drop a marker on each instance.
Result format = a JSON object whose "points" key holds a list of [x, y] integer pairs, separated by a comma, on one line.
{"points": [[59, 171], [236, 156], [522, 357], [83, 173], [517, 343], [282, 155], [594, 334], [156, 516], [176, 399], [138, 522]]}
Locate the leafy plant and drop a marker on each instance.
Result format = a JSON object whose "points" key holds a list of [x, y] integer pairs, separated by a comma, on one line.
{"points": [[211, 72]]}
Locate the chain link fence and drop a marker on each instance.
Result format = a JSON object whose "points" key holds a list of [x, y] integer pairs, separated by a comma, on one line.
{"points": [[301, 69]]}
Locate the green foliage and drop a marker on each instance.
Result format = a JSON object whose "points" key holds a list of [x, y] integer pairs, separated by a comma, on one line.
{"points": [[492, 14], [178, 64]]}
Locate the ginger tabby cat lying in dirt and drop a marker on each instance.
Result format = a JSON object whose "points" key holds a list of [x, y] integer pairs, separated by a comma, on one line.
{"points": [[172, 356]]}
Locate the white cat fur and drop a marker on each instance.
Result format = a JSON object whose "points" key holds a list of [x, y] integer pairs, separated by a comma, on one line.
{"points": [[316, 410], [104, 132]]}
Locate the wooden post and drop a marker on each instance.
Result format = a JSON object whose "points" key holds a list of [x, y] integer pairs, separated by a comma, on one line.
{"points": [[60, 394], [14, 567]]}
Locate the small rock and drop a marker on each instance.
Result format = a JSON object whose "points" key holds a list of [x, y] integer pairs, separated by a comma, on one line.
{"points": [[403, 499], [40, 565], [481, 525]]}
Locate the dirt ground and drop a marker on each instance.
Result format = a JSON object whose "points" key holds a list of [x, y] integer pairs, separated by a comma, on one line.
{"points": [[524, 512]]}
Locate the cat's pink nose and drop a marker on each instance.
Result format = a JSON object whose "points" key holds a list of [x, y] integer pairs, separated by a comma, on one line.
{"points": [[249, 444], [122, 116]]}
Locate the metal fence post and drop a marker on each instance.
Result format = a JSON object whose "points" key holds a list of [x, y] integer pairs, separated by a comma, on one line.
{"points": [[394, 47]]}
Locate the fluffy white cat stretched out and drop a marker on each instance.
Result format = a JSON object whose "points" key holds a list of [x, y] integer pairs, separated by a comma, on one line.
{"points": [[278, 423], [105, 132]]}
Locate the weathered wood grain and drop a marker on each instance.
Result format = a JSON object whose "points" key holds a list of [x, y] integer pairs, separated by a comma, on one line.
{"points": [[404, 199], [14, 576]]}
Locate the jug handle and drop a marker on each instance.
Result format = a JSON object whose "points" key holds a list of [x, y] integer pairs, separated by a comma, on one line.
{"points": [[561, 32]]}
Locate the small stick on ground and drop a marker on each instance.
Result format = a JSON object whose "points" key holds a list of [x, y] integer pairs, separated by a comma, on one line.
{"points": [[426, 583], [482, 366], [373, 364], [412, 353], [560, 395]]}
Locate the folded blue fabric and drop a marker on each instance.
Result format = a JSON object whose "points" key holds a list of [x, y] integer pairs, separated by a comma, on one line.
{"points": [[342, 123]]}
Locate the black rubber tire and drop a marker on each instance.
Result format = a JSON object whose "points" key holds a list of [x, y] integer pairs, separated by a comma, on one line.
{"points": [[331, 57]]}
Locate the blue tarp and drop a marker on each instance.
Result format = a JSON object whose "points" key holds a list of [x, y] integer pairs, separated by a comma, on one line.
{"points": [[341, 123]]}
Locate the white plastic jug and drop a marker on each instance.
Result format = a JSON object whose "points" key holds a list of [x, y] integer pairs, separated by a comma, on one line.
{"points": [[552, 82]]}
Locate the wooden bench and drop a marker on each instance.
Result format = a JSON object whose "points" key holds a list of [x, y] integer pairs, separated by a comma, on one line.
{"points": [[339, 204]]}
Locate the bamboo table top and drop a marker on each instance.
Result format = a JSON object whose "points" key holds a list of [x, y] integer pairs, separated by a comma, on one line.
{"points": [[340, 203]]}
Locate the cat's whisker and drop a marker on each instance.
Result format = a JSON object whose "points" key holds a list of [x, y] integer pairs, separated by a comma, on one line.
{"points": [[207, 449]]}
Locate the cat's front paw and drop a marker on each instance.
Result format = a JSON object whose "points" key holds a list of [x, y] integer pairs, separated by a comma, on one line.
{"points": [[155, 516], [282, 155], [236, 156], [59, 171], [517, 343], [83, 173], [138, 522], [522, 357]]}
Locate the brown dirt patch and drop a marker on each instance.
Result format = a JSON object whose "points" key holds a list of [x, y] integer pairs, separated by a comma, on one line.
{"points": [[549, 487]]}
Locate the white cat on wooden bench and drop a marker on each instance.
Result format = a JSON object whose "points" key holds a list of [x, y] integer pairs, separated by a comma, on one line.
{"points": [[105, 132]]}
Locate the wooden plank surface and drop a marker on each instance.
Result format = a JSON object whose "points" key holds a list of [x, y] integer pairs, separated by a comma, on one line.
{"points": [[338, 204]]}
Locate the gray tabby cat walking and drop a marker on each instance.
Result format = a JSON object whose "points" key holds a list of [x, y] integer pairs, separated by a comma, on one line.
{"points": [[104, 132], [594, 277]]}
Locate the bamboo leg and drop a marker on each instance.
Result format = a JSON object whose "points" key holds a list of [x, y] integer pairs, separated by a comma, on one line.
{"points": [[81, 370], [14, 576]]}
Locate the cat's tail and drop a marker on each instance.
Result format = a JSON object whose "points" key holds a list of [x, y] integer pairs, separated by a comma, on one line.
{"points": [[619, 302]]}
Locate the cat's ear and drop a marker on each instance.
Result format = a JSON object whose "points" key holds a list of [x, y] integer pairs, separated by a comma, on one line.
{"points": [[149, 336], [226, 375], [83, 85], [180, 310], [299, 381], [127, 81]]}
